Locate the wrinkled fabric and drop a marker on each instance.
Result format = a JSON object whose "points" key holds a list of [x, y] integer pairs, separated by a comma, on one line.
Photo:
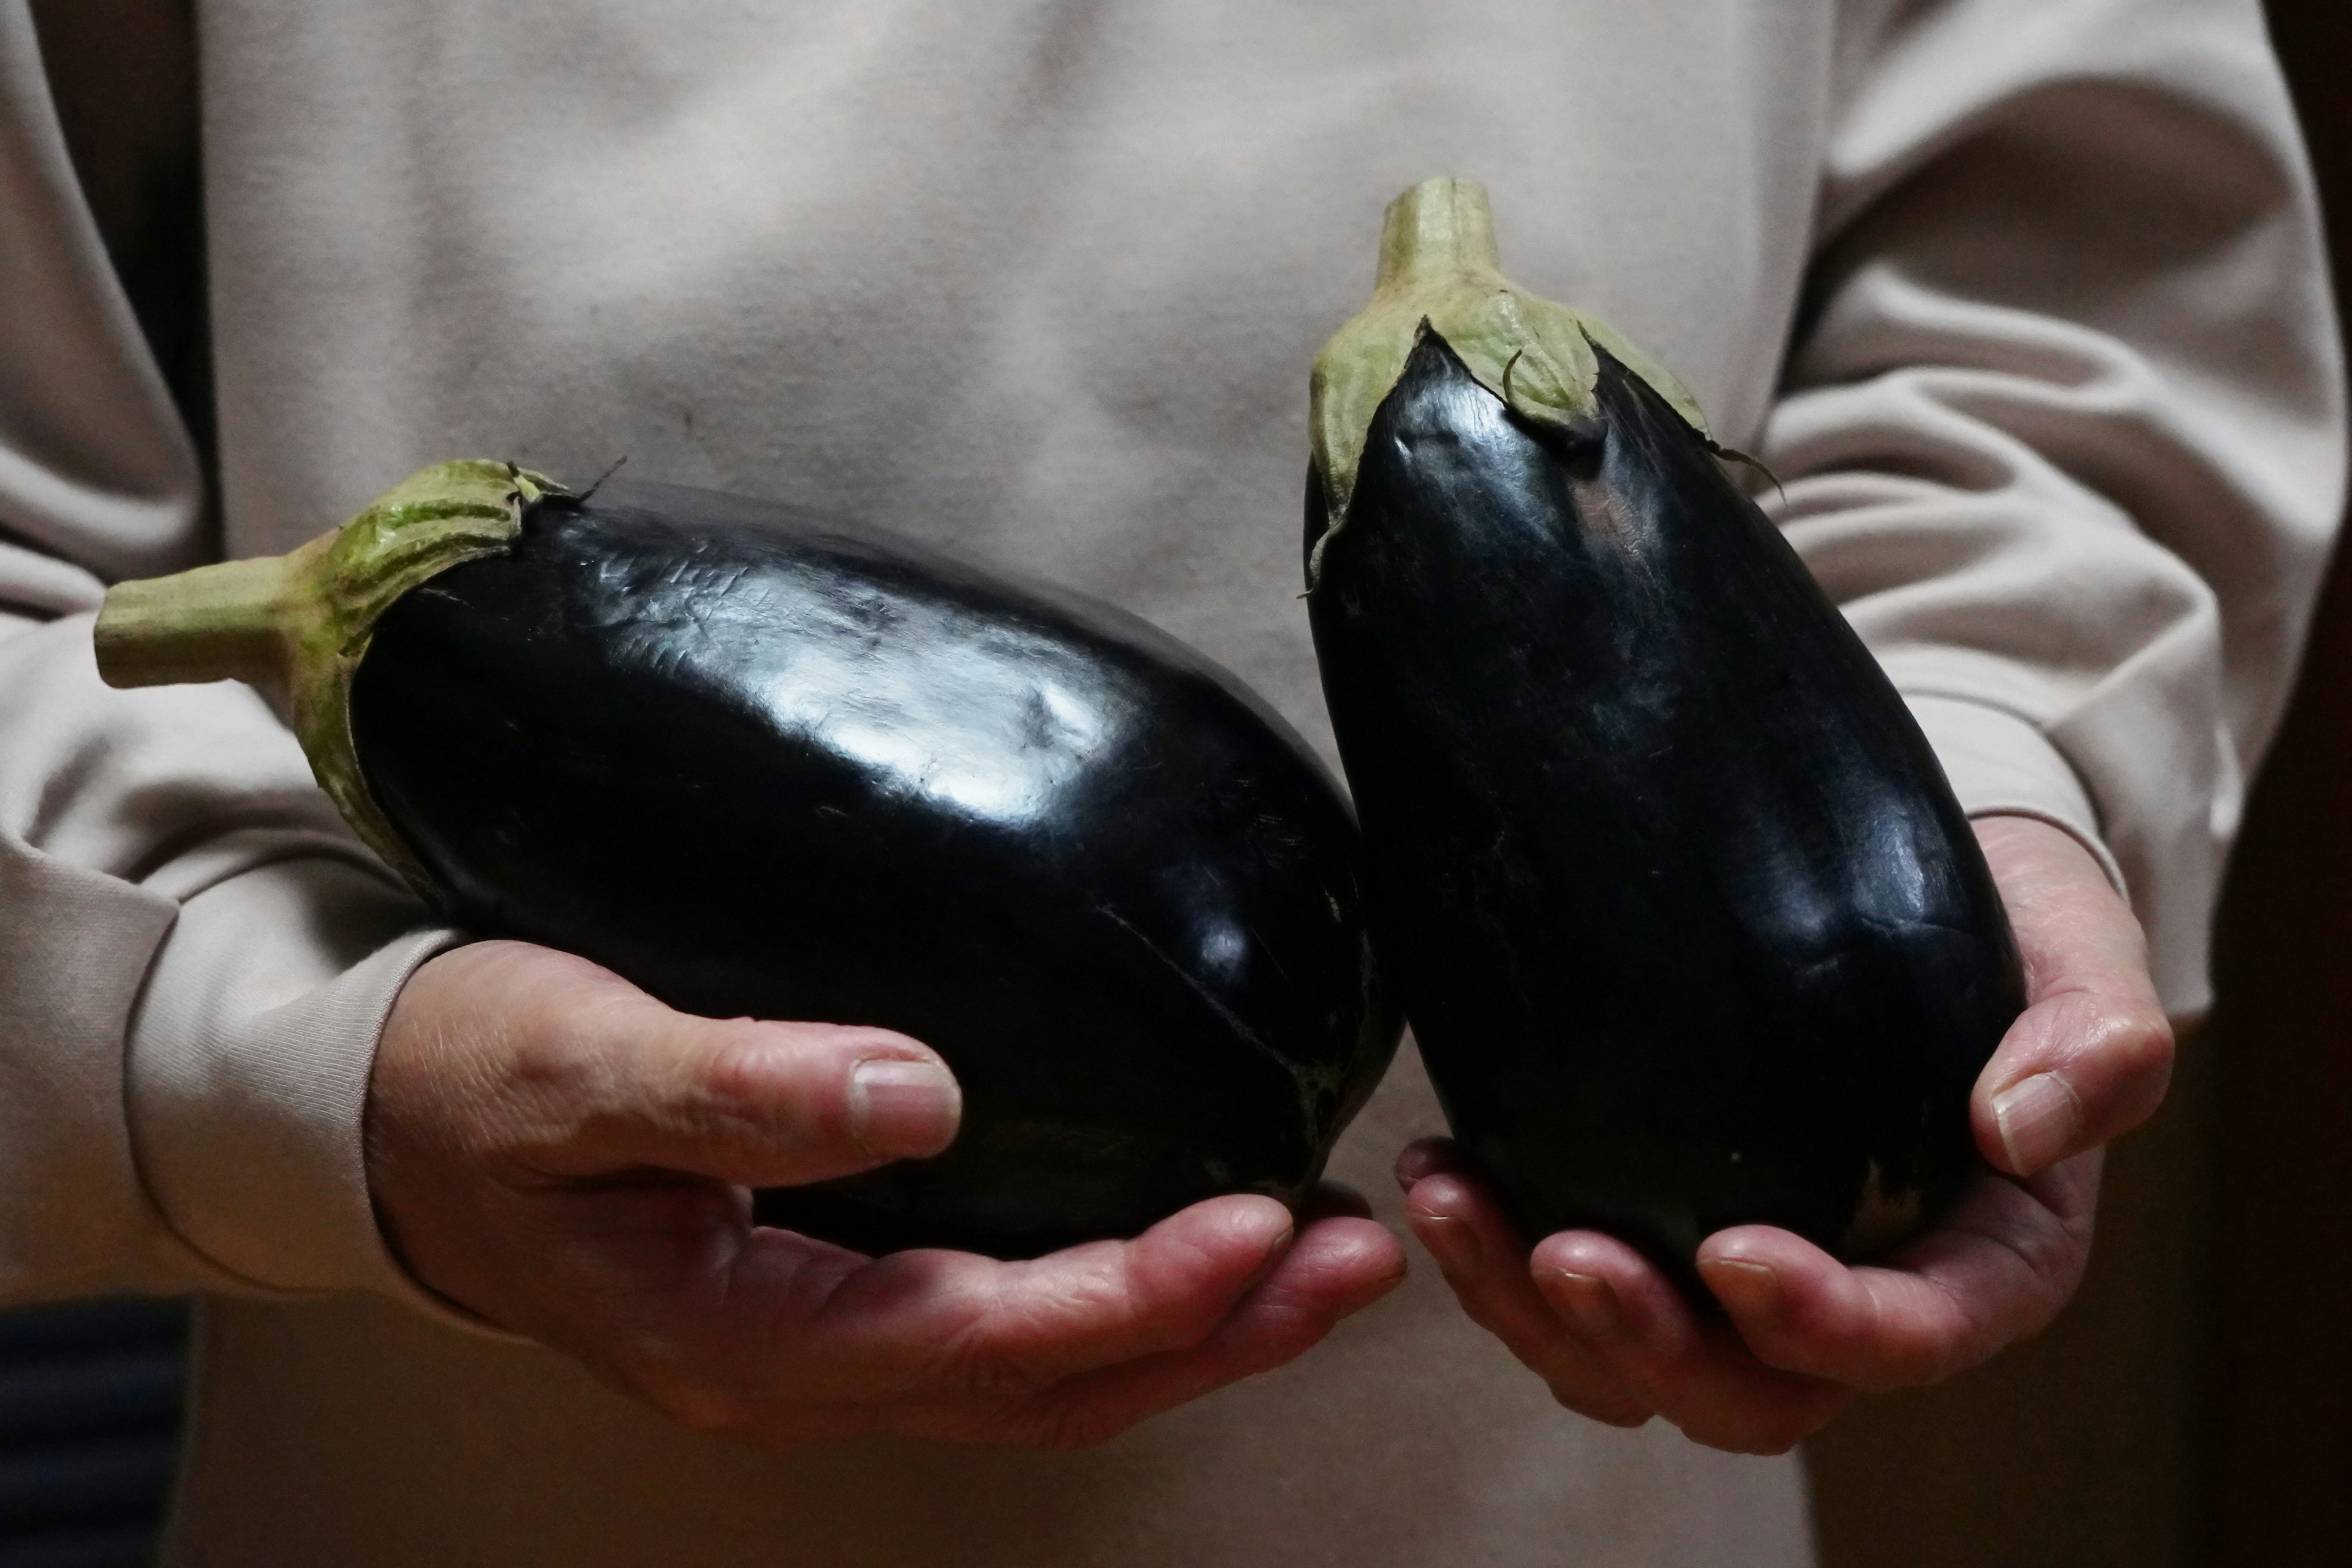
{"points": [[2020, 301]]}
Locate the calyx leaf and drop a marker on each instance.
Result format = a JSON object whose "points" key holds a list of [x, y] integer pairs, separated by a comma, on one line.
{"points": [[1439, 271], [299, 624]]}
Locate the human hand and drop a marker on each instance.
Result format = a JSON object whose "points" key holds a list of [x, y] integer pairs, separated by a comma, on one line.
{"points": [[1801, 1334], [556, 1151]]}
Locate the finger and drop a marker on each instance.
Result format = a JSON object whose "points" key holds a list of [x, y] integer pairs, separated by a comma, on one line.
{"points": [[1426, 1157], [646, 1283], [1337, 1267], [928, 1324], [2090, 1056], [2078, 1069], [1473, 1247], [609, 1079], [1698, 1375], [1481, 1259], [1997, 1270]]}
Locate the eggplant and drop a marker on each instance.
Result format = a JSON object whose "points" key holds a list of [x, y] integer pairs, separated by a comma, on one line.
{"points": [[762, 762], [1688, 925]]}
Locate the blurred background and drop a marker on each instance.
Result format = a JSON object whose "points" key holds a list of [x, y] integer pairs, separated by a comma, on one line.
{"points": [[2190, 1408]]}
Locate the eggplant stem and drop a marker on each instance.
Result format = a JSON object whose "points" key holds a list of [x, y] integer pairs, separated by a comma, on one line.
{"points": [[1439, 271], [224, 622], [298, 624], [1440, 229]]}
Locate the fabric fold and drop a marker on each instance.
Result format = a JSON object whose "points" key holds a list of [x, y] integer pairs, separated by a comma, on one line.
{"points": [[248, 1071]]}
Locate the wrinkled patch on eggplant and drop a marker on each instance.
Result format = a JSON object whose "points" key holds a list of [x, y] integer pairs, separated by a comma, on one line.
{"points": [[761, 764], [1689, 927]]}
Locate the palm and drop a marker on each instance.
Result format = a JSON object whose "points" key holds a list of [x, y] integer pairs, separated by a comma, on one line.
{"points": [[1801, 1334]]}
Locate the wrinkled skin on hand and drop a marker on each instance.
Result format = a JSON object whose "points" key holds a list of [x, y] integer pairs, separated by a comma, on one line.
{"points": [[1799, 1334], [559, 1155]]}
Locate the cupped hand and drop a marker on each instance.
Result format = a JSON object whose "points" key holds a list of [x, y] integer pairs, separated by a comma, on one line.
{"points": [[555, 1152], [1800, 1334]]}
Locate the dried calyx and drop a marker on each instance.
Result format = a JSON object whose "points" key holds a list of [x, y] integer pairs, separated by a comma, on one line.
{"points": [[1439, 272], [298, 624]]}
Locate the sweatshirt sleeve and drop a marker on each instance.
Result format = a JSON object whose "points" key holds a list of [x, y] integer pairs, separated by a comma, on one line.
{"points": [[195, 957], [2063, 428]]}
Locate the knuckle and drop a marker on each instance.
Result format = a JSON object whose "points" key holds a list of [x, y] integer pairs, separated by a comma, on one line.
{"points": [[2072, 1191], [2055, 1265], [743, 1088], [2138, 1043], [547, 1064], [2046, 1256], [552, 1096], [745, 1078], [981, 1359], [733, 1068]]}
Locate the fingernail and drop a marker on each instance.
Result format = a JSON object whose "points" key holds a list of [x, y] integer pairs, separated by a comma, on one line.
{"points": [[1746, 1289], [1588, 1301], [1451, 1241], [2037, 1118], [902, 1109], [1411, 1165]]}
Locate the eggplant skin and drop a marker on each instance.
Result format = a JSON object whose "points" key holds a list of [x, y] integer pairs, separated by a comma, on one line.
{"points": [[761, 764], [1690, 929]]}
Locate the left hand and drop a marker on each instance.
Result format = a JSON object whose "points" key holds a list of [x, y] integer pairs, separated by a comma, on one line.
{"points": [[558, 1153], [1801, 1334]]}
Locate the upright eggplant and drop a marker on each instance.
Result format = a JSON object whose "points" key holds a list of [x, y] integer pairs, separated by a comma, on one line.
{"points": [[763, 763], [1685, 918]]}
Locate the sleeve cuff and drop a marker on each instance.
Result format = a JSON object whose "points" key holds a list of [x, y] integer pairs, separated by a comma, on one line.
{"points": [[248, 1071], [2001, 766]]}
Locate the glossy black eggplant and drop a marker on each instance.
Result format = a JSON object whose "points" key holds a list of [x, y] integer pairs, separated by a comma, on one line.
{"points": [[1687, 923], [764, 764]]}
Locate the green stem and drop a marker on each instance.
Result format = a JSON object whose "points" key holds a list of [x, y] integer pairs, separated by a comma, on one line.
{"points": [[227, 621], [1439, 271], [299, 623], [1440, 229]]}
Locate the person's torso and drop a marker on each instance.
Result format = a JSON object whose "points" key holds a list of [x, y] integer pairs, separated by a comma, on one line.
{"points": [[1039, 282]]}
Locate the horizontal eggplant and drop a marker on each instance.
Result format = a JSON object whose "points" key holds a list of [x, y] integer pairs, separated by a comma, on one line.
{"points": [[763, 764], [1687, 923]]}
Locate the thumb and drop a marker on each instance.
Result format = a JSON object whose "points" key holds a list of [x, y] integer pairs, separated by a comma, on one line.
{"points": [[2090, 1057], [627, 1082]]}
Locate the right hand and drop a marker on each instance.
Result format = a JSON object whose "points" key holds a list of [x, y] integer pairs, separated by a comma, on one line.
{"points": [[555, 1152], [1799, 1334]]}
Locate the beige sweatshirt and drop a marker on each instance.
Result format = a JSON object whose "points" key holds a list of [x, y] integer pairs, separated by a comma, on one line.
{"points": [[2021, 300]]}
